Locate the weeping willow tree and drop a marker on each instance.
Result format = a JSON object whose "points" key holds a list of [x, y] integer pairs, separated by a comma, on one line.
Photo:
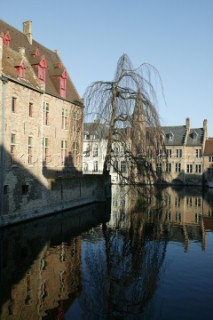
{"points": [[126, 106]]}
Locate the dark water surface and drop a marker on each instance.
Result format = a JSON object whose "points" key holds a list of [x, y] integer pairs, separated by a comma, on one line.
{"points": [[146, 255]]}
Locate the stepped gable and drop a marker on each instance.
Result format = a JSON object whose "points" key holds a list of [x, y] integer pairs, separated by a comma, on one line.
{"points": [[19, 40]]}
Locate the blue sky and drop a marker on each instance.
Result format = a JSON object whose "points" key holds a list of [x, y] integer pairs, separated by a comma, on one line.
{"points": [[175, 36]]}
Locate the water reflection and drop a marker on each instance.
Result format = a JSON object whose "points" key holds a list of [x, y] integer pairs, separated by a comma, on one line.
{"points": [[89, 265]]}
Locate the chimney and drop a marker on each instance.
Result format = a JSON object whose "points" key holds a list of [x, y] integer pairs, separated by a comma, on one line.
{"points": [[27, 30], [205, 127], [188, 124]]}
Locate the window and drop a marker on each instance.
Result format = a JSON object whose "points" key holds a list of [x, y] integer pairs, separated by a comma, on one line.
{"points": [[25, 189], [95, 151], [179, 153], [21, 70], [13, 147], [168, 167], [75, 115], [149, 153], [46, 113], [189, 168], [159, 168], [199, 153], [189, 202], [85, 166], [177, 202], [63, 84], [123, 166], [115, 166], [41, 68], [168, 201], [75, 146], [169, 153], [178, 216], [30, 150], [211, 159], [30, 109], [63, 151], [159, 153], [177, 167], [198, 202], [13, 105], [168, 216], [198, 168], [95, 166], [45, 149], [5, 189], [64, 119]]}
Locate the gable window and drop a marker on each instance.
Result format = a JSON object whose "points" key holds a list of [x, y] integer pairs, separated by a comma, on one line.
{"points": [[6, 38], [40, 66], [63, 84], [64, 119], [21, 69], [46, 113], [13, 105], [30, 139]]}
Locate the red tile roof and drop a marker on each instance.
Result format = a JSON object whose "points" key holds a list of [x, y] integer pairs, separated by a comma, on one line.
{"points": [[19, 39], [208, 151]]}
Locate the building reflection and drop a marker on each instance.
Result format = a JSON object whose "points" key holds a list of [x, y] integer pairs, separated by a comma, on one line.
{"points": [[180, 214], [110, 265], [41, 264]]}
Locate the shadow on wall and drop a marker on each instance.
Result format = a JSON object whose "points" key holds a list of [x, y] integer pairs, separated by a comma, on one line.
{"points": [[18, 186], [67, 171]]}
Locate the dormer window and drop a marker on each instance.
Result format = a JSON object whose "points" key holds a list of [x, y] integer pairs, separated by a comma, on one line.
{"points": [[42, 69], [170, 136], [194, 135], [21, 69], [40, 65], [63, 84], [6, 38], [36, 53]]}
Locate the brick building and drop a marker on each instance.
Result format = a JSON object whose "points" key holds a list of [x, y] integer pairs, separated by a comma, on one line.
{"points": [[41, 118]]}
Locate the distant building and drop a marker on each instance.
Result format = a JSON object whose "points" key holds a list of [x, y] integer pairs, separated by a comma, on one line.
{"points": [[183, 157], [208, 161]]}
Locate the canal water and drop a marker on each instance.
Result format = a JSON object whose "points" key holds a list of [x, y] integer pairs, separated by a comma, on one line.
{"points": [[146, 254]]}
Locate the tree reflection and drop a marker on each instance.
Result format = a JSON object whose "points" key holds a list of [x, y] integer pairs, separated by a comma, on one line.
{"points": [[122, 273]]}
